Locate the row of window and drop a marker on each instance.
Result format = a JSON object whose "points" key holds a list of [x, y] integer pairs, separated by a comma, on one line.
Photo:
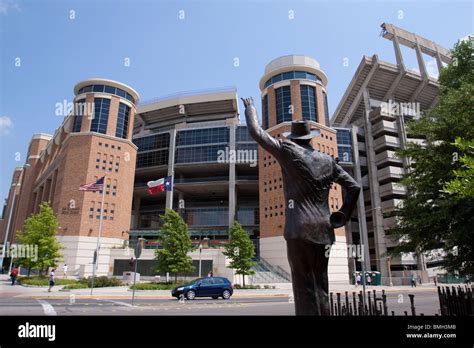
{"points": [[209, 153], [202, 136], [107, 89], [291, 75], [153, 158], [94, 209], [100, 118], [284, 108], [107, 162], [153, 142]]}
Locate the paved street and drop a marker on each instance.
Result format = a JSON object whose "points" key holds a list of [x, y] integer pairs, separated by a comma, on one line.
{"points": [[20, 300]]}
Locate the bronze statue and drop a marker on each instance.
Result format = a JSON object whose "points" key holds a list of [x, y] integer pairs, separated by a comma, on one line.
{"points": [[309, 225]]}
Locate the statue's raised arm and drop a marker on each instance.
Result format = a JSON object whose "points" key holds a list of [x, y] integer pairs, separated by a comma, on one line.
{"points": [[264, 139]]}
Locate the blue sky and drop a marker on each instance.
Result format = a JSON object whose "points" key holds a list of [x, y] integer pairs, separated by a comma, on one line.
{"points": [[168, 54]]}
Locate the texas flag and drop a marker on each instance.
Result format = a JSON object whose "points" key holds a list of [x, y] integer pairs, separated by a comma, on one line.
{"points": [[160, 185]]}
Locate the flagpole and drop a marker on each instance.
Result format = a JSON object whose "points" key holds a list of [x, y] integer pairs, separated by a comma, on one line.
{"points": [[98, 236]]}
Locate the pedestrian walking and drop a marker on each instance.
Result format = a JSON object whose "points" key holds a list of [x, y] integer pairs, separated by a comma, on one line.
{"points": [[14, 275], [369, 280], [52, 280], [435, 279], [413, 281], [65, 268], [210, 274], [419, 280], [358, 279]]}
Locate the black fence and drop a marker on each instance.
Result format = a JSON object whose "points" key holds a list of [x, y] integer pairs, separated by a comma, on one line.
{"points": [[356, 305], [456, 301]]}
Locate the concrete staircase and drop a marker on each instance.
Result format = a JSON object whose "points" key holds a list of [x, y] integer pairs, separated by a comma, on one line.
{"points": [[266, 273]]}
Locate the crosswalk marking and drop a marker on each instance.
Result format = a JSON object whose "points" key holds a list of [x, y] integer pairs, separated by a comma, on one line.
{"points": [[47, 308]]}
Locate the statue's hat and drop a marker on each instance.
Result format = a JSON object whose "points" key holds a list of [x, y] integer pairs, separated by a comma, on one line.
{"points": [[301, 130]]}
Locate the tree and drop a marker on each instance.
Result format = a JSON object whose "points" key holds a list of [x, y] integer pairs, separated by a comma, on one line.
{"points": [[40, 230], [438, 212], [176, 242], [463, 183], [240, 250]]}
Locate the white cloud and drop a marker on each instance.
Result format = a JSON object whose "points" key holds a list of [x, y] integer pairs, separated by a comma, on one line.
{"points": [[432, 68], [5, 125], [8, 5]]}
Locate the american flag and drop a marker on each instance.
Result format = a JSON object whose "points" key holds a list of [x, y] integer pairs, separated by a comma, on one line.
{"points": [[93, 186]]}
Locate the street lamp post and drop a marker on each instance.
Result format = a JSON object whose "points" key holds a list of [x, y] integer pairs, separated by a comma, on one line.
{"points": [[10, 218], [200, 252], [389, 270]]}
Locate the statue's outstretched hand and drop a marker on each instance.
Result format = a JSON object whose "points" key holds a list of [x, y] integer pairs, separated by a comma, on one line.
{"points": [[247, 102]]}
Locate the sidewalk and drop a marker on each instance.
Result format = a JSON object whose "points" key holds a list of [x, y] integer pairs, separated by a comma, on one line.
{"points": [[281, 290]]}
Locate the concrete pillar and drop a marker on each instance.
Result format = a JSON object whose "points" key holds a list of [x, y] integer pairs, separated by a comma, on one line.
{"points": [[172, 147], [377, 220], [136, 211], [232, 198], [398, 53], [364, 238]]}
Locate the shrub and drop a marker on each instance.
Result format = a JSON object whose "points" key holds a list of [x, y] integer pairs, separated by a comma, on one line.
{"points": [[156, 286], [102, 282], [44, 281], [238, 286]]}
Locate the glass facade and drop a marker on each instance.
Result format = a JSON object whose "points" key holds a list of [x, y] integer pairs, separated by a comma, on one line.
{"points": [[326, 108], [202, 136], [107, 89], [265, 112], [309, 108], [152, 158], [242, 135], [195, 154], [101, 115], [153, 142], [212, 216], [292, 75], [248, 216], [344, 145], [201, 145], [283, 102], [152, 150], [122, 121]]}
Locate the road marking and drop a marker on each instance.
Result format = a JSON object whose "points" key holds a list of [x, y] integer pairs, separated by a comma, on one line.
{"points": [[47, 308], [117, 302]]}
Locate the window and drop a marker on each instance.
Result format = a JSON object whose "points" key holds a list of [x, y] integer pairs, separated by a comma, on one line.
{"points": [[326, 108], [77, 124], [308, 103], [122, 121], [283, 102], [203, 136], [265, 112], [101, 115], [291, 75], [153, 142], [107, 89]]}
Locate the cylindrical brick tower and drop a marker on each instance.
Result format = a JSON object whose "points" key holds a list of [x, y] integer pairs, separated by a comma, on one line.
{"points": [[293, 88]]}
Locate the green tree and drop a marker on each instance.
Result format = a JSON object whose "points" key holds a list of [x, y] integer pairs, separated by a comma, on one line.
{"points": [[463, 183], [431, 217], [40, 230], [176, 242], [240, 250]]}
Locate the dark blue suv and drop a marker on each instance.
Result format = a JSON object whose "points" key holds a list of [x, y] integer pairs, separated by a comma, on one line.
{"points": [[214, 287]]}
